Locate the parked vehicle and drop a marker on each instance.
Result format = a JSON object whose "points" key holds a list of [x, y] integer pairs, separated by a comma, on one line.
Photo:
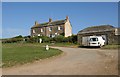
{"points": [[93, 41]]}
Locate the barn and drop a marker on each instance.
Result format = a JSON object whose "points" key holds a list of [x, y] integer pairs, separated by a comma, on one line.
{"points": [[109, 33]]}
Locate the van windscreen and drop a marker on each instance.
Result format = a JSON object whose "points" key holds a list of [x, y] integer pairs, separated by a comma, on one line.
{"points": [[93, 39]]}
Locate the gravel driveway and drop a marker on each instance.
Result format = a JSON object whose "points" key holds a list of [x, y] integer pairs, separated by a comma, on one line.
{"points": [[74, 61]]}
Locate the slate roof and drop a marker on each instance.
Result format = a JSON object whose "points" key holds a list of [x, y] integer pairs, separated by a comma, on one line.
{"points": [[53, 23], [100, 28]]}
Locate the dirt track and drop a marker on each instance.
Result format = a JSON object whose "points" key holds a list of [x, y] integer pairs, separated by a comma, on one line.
{"points": [[74, 61]]}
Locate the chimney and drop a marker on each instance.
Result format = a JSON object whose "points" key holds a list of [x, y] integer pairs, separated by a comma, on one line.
{"points": [[36, 22], [67, 18], [50, 20]]}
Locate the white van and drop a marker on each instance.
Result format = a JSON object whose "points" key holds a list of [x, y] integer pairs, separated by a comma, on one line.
{"points": [[93, 41]]}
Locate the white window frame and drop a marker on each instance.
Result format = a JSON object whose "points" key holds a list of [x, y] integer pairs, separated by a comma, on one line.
{"points": [[116, 32], [56, 33], [53, 35], [50, 28], [33, 31], [39, 35], [59, 27], [41, 30]]}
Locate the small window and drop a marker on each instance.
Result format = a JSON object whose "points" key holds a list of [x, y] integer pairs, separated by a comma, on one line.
{"points": [[59, 27], [33, 31], [117, 32], [41, 30], [55, 33], [50, 35], [50, 29], [38, 34]]}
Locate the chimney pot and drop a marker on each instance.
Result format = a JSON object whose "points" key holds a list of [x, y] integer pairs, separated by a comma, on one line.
{"points": [[67, 18], [36, 22], [50, 20]]}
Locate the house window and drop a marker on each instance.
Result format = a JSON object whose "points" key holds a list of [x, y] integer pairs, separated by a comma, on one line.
{"points": [[33, 31], [55, 33], [41, 30], [50, 35], [50, 29], [117, 32], [38, 34], [59, 28]]}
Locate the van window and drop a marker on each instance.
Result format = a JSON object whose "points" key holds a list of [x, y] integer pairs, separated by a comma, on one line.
{"points": [[93, 39]]}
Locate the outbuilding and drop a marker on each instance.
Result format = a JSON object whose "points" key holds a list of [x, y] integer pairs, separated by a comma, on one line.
{"points": [[109, 33]]}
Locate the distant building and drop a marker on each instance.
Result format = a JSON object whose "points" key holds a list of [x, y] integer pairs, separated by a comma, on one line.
{"points": [[52, 28], [109, 33]]}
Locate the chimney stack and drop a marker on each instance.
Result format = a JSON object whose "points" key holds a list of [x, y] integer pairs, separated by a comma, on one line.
{"points": [[67, 18], [50, 20], [36, 22]]}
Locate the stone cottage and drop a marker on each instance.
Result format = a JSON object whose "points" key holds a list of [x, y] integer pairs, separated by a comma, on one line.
{"points": [[109, 33], [52, 28]]}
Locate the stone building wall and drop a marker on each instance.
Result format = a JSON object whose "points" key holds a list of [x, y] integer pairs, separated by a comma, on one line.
{"points": [[46, 31]]}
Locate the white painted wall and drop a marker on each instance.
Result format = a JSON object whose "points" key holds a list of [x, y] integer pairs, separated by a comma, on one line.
{"points": [[68, 29]]}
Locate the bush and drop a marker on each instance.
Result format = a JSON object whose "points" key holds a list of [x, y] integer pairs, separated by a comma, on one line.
{"points": [[57, 39], [45, 39], [74, 39], [12, 40], [36, 39]]}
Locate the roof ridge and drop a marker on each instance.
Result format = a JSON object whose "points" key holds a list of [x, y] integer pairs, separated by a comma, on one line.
{"points": [[48, 23]]}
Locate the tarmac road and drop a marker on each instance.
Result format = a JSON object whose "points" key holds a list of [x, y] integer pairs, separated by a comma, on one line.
{"points": [[74, 61]]}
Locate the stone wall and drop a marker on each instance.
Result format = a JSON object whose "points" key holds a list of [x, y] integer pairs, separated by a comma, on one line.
{"points": [[46, 31]]}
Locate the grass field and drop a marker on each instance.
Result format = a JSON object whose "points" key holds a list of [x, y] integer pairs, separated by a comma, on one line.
{"points": [[15, 54]]}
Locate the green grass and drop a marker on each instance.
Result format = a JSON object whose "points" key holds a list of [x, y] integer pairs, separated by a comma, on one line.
{"points": [[15, 54], [111, 47]]}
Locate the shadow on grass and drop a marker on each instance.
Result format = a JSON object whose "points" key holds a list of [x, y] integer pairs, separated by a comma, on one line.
{"points": [[89, 47]]}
